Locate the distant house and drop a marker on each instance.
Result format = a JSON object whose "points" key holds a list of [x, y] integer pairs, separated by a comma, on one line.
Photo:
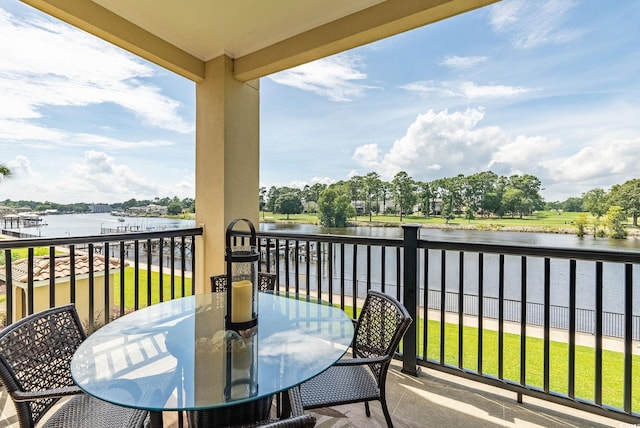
{"points": [[62, 269], [99, 208], [135, 211], [151, 209], [154, 209], [6, 210]]}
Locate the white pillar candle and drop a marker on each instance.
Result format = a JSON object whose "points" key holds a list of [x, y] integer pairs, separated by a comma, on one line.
{"points": [[241, 296]]}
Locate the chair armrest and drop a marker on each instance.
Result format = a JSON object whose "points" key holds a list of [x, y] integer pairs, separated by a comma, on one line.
{"points": [[361, 361], [49, 393]]}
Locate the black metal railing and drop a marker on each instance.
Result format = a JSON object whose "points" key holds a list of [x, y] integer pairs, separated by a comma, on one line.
{"points": [[138, 269], [492, 295], [483, 309]]}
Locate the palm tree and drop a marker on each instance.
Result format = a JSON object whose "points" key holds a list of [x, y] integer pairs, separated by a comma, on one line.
{"points": [[5, 172]]}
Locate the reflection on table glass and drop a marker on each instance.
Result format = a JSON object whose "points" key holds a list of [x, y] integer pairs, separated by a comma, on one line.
{"points": [[177, 355]]}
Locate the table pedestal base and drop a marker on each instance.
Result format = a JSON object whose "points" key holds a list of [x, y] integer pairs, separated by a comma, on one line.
{"points": [[239, 414]]}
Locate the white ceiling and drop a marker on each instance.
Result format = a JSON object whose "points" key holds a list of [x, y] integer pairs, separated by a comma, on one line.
{"points": [[209, 28]]}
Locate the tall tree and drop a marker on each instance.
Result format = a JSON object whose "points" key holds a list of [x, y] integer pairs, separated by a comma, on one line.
{"points": [[288, 202], [356, 192], [334, 207], [5, 172], [627, 195], [404, 192], [615, 220], [372, 184], [595, 201]]}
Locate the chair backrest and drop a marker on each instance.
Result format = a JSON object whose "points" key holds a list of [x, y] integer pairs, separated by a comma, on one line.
{"points": [[266, 282], [381, 325], [35, 355]]}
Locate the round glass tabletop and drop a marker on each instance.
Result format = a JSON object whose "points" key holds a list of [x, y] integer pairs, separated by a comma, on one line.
{"points": [[177, 355]]}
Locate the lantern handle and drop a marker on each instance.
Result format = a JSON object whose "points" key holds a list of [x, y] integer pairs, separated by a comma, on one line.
{"points": [[252, 239]]}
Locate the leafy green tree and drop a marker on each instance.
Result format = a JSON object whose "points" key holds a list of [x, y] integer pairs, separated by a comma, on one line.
{"points": [[478, 188], [512, 201], [189, 205], [595, 201], [5, 172], [289, 202], [581, 225], [529, 199], [355, 186], [615, 220], [334, 208], [627, 195], [404, 192], [573, 204], [174, 207], [447, 211], [372, 184], [425, 195], [272, 196]]}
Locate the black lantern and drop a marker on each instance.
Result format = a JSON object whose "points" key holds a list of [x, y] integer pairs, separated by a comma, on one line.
{"points": [[242, 282]]}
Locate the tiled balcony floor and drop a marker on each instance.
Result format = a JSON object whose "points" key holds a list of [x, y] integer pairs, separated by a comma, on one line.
{"points": [[433, 400]]}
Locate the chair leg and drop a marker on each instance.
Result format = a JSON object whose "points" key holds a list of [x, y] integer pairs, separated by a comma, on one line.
{"points": [[385, 410], [366, 409]]}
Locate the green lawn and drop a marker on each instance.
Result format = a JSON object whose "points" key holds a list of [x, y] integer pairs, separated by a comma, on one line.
{"points": [[129, 289], [612, 366], [613, 362]]}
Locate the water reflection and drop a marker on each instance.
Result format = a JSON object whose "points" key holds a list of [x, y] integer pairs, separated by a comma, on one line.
{"points": [[553, 240]]}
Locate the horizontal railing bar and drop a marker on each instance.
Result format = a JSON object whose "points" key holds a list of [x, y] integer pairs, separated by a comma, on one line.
{"points": [[70, 240]]}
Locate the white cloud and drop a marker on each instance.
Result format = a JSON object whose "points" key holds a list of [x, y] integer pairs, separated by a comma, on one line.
{"points": [[49, 63], [437, 145], [468, 90], [94, 177], [322, 180], [523, 154], [615, 162], [367, 155], [472, 91], [533, 24], [463, 62], [101, 174], [336, 78]]}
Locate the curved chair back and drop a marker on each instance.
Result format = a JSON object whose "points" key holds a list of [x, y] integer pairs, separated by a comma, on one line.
{"points": [[35, 355], [381, 325], [266, 282]]}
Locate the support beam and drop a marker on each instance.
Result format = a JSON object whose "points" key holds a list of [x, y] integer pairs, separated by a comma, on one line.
{"points": [[383, 20], [227, 161]]}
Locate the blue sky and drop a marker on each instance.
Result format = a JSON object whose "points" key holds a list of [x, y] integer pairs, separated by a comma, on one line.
{"points": [[549, 88]]}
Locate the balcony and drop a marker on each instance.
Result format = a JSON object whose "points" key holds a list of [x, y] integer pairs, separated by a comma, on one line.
{"points": [[505, 334]]}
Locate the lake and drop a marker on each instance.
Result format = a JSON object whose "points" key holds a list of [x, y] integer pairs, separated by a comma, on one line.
{"points": [[56, 226], [92, 224]]}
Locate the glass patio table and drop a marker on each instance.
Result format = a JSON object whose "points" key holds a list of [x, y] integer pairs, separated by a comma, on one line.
{"points": [[177, 355]]}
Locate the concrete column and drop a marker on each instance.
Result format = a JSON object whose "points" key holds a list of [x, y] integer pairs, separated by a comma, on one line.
{"points": [[227, 161]]}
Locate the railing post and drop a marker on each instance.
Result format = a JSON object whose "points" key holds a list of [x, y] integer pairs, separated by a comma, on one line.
{"points": [[410, 298]]}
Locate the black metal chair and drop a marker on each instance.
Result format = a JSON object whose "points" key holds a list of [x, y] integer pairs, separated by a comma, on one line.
{"points": [[266, 282], [35, 357], [381, 325]]}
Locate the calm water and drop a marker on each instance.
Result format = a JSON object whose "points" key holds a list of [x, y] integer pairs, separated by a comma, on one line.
{"points": [[55, 226], [613, 273], [91, 224]]}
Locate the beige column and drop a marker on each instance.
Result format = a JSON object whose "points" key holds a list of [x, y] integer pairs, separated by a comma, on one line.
{"points": [[227, 161]]}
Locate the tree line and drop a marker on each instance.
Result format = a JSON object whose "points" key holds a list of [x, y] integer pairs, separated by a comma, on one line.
{"points": [[174, 205], [484, 194]]}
